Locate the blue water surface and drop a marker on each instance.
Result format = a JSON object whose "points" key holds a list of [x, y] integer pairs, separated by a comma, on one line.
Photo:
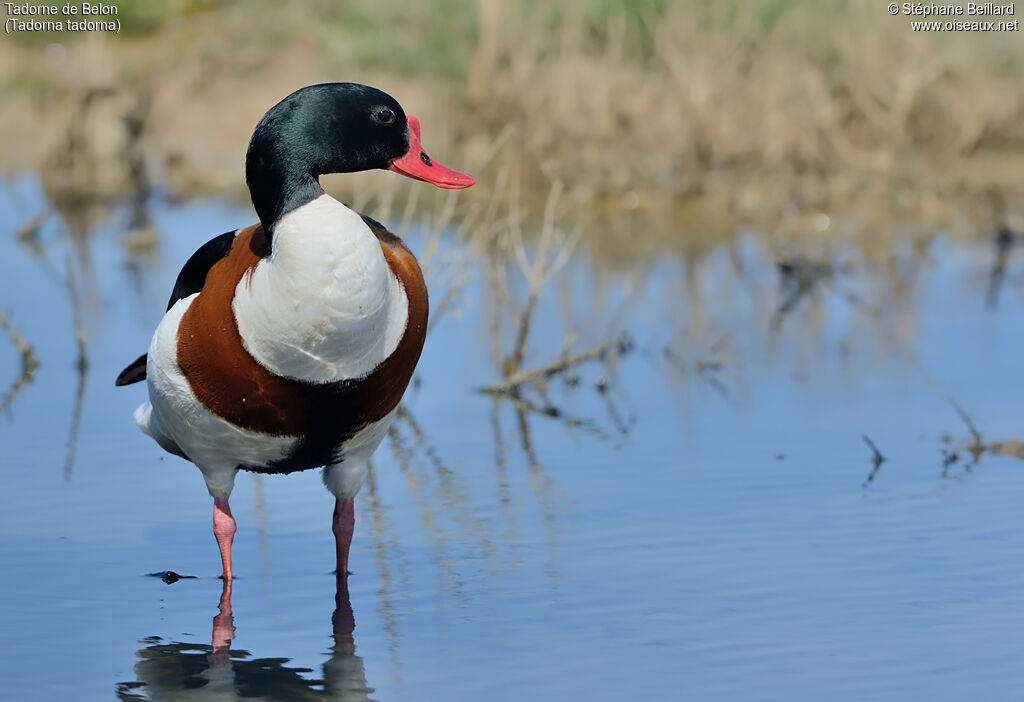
{"points": [[696, 523]]}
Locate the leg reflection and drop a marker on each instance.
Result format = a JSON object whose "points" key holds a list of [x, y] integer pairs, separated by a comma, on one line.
{"points": [[343, 621], [223, 626], [344, 672], [182, 670]]}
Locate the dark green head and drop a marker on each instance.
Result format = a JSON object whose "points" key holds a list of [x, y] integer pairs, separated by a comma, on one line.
{"points": [[332, 128]]}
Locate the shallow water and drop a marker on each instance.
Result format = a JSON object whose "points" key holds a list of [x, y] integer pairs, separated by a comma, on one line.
{"points": [[704, 528]]}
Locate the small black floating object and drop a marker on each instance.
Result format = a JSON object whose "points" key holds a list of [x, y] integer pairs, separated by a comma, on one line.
{"points": [[170, 577]]}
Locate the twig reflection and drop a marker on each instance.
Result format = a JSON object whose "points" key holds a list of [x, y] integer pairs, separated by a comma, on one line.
{"points": [[385, 551], [877, 459], [1005, 240], [81, 368]]}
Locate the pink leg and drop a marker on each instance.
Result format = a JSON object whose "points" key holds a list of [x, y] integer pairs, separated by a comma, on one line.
{"points": [[344, 525], [224, 530]]}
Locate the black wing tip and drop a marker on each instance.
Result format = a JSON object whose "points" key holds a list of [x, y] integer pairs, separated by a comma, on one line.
{"points": [[135, 372], [190, 280], [193, 274], [372, 222], [381, 232]]}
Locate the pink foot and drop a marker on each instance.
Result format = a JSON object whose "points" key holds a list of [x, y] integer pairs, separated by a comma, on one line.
{"points": [[343, 526], [224, 530]]}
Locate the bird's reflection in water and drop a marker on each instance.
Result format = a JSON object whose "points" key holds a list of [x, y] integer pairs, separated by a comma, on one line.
{"points": [[184, 671]]}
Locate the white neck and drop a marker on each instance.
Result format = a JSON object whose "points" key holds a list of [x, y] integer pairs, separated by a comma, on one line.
{"points": [[324, 306]]}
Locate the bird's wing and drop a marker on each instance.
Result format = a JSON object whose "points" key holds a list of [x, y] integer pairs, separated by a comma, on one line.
{"points": [[190, 280]]}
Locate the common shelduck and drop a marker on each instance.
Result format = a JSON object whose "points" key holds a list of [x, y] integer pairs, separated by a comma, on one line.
{"points": [[288, 344]]}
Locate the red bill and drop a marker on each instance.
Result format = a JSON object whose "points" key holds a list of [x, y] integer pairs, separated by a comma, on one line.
{"points": [[417, 164]]}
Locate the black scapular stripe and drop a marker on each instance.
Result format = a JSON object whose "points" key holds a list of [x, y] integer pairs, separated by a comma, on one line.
{"points": [[190, 281], [193, 274]]}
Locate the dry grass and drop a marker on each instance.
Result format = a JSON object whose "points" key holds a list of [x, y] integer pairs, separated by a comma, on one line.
{"points": [[867, 94], [668, 125], [847, 114]]}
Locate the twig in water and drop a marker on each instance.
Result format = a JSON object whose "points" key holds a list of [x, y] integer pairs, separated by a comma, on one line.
{"points": [[546, 263], [1011, 447], [28, 356], [28, 231], [29, 363], [517, 274], [799, 277], [877, 459], [707, 370], [511, 383], [521, 404], [948, 459], [977, 445]]}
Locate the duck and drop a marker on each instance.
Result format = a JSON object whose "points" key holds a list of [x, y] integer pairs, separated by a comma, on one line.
{"points": [[287, 345]]}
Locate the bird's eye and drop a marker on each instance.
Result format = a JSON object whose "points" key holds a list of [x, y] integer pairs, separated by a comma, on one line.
{"points": [[383, 115]]}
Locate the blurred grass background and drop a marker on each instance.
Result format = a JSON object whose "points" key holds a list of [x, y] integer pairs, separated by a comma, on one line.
{"points": [[657, 117]]}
